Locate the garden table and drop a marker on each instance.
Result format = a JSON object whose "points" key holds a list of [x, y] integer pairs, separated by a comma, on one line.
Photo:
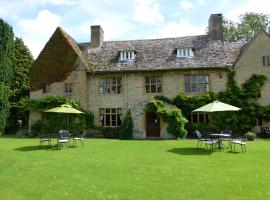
{"points": [[219, 136]]}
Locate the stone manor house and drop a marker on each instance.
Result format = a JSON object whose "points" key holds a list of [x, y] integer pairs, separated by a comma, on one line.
{"points": [[110, 77]]}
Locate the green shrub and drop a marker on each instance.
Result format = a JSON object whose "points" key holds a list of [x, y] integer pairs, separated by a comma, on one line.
{"points": [[36, 128], [250, 136], [126, 128]]}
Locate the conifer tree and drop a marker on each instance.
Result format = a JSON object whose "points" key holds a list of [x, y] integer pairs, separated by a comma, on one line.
{"points": [[6, 56]]}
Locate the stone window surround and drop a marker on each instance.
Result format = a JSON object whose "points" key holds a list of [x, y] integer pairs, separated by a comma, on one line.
{"points": [[115, 113], [199, 118], [197, 83], [46, 88], [68, 88], [126, 55], [184, 53], [150, 85], [118, 85]]}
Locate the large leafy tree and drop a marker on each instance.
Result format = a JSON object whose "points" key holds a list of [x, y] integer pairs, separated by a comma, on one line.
{"points": [[6, 56], [20, 85], [249, 25]]}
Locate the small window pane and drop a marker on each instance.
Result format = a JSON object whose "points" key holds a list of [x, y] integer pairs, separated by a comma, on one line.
{"points": [[187, 87], [200, 87], [187, 79], [113, 81], [193, 87], [194, 118], [147, 80], [119, 89], [102, 81], [206, 88], [153, 79], [108, 90], [113, 89], [193, 79], [108, 119], [119, 121], [113, 110], [153, 89], [206, 78], [102, 90], [147, 88], [201, 118], [159, 89], [119, 81], [108, 81], [200, 79], [108, 110], [158, 80], [119, 110]]}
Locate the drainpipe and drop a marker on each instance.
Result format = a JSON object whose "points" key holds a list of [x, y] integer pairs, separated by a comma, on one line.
{"points": [[94, 100], [125, 96]]}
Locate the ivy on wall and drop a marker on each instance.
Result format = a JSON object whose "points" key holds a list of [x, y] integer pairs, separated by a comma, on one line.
{"points": [[176, 121], [243, 96]]}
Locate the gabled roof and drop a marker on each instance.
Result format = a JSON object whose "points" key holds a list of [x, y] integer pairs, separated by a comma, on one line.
{"points": [[56, 61], [160, 54]]}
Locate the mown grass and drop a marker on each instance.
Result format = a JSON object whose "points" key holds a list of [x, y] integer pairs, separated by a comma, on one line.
{"points": [[114, 169]]}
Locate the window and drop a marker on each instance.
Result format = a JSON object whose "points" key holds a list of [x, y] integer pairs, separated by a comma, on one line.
{"points": [[47, 88], [111, 117], [127, 55], [184, 53], [68, 88], [199, 118], [153, 84], [266, 60], [110, 85], [197, 84], [43, 119]]}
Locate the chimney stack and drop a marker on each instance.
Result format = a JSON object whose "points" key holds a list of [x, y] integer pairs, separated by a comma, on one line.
{"points": [[215, 27], [97, 36]]}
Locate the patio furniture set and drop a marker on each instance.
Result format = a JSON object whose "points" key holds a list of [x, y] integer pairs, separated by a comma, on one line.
{"points": [[64, 138], [216, 140]]}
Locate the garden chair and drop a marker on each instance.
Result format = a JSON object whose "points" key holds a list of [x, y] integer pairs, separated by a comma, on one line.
{"points": [[200, 138], [239, 141], [44, 138], [79, 138], [229, 138], [211, 143], [63, 139]]}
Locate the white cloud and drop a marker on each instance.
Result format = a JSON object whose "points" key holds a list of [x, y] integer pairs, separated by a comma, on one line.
{"points": [[259, 6], [178, 29], [36, 32], [202, 2], [186, 5], [147, 12], [59, 2]]}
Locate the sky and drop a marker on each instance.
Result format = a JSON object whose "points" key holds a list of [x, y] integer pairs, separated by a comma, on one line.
{"points": [[35, 20]]}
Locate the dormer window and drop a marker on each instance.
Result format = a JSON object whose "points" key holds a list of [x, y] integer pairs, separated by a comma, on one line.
{"points": [[127, 55], [184, 53]]}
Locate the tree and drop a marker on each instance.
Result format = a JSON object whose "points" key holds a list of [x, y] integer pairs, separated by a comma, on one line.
{"points": [[6, 56], [126, 128], [20, 85], [249, 25]]}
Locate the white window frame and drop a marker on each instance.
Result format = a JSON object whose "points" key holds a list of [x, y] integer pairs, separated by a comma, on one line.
{"points": [[47, 89], [184, 53], [127, 55]]}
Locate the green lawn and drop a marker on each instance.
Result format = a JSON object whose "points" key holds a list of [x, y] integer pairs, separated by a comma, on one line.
{"points": [[114, 169]]}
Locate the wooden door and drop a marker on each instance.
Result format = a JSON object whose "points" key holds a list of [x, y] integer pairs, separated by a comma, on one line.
{"points": [[152, 125]]}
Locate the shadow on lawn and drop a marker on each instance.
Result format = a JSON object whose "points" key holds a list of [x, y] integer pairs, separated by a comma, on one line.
{"points": [[35, 148], [39, 148], [190, 151]]}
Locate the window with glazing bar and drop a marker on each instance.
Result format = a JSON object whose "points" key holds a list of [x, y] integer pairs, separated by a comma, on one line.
{"points": [[197, 84], [46, 88], [111, 85], [153, 84], [68, 88], [110, 117]]}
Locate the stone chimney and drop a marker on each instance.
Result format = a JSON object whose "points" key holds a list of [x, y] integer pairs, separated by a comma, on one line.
{"points": [[215, 27], [97, 36]]}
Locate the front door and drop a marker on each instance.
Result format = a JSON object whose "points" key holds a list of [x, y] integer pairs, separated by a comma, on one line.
{"points": [[152, 125]]}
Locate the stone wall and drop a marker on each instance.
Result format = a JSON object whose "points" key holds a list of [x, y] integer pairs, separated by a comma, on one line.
{"points": [[251, 62], [78, 78], [133, 96]]}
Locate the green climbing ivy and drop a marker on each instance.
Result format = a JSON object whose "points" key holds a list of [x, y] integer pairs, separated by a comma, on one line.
{"points": [[176, 121]]}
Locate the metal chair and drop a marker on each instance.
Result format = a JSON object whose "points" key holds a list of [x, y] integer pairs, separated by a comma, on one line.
{"points": [[79, 138], [239, 141], [63, 138], [200, 138], [229, 138], [44, 138]]}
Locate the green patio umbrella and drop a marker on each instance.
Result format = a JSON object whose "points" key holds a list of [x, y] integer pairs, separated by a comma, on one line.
{"points": [[216, 106], [65, 108]]}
